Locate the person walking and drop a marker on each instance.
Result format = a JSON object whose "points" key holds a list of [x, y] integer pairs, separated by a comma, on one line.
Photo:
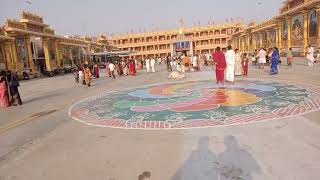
{"points": [[289, 57], [168, 62], [245, 64], [14, 88], [148, 65], [81, 76], [310, 55], [87, 75], [132, 68], [238, 65], [152, 63], [275, 61], [76, 75], [96, 70], [262, 58], [220, 62], [230, 60], [111, 69], [4, 93]]}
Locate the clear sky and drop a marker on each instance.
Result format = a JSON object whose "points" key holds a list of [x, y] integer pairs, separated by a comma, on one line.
{"points": [[92, 17]]}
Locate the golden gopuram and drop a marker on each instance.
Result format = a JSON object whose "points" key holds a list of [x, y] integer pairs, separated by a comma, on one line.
{"points": [[31, 46], [296, 26]]}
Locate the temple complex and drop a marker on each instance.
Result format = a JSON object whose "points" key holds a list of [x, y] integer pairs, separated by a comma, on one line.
{"points": [[296, 26], [31, 46], [189, 41]]}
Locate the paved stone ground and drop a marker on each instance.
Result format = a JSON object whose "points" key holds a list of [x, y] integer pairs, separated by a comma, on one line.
{"points": [[40, 141]]}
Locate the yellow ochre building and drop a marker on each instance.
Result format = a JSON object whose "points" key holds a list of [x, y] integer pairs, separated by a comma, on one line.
{"points": [[296, 26], [29, 45]]}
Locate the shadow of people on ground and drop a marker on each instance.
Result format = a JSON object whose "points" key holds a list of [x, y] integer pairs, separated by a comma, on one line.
{"points": [[201, 165], [232, 164], [236, 163]]}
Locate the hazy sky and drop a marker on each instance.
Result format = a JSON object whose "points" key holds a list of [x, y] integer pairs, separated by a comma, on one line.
{"points": [[92, 17]]}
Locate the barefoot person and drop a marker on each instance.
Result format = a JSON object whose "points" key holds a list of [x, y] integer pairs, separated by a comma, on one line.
{"points": [[14, 88], [238, 65], [231, 60], [220, 62], [310, 55], [245, 64], [4, 95]]}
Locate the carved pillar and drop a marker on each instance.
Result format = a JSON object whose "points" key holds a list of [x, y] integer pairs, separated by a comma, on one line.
{"points": [[268, 44], [289, 42], [70, 55], [14, 52], [47, 55], [9, 56], [248, 42], [279, 35], [254, 41], [58, 55], [30, 58], [260, 40], [305, 32]]}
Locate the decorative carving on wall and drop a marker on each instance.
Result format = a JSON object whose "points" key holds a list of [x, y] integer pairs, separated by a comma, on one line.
{"points": [[12, 23], [31, 17]]}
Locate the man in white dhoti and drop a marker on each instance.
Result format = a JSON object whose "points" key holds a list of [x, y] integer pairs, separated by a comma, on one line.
{"points": [[231, 60], [194, 63], [310, 55], [148, 64], [152, 63]]}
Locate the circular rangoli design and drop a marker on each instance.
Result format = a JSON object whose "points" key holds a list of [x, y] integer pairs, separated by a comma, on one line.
{"points": [[195, 104]]}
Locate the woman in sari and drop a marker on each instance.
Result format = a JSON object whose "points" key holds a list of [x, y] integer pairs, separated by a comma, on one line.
{"points": [[132, 69], [96, 71], [238, 65], [14, 89], [87, 75], [125, 69], [4, 95], [275, 61]]}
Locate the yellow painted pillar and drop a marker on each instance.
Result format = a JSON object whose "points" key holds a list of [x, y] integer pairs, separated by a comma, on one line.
{"points": [[30, 58], [9, 56], [70, 55], [47, 55], [260, 40], [248, 42], [254, 41], [268, 44], [279, 35], [58, 54], [14, 52], [305, 32], [289, 42]]}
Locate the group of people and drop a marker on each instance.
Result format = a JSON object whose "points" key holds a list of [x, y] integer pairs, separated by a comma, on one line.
{"points": [[237, 64], [9, 89], [121, 67], [180, 64], [312, 56], [83, 74]]}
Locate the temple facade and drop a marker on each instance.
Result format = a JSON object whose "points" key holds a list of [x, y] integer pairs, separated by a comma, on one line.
{"points": [[296, 26], [31, 46], [194, 40]]}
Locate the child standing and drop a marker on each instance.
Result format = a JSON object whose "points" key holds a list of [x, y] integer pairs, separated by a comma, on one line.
{"points": [[245, 64], [76, 75], [289, 57]]}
